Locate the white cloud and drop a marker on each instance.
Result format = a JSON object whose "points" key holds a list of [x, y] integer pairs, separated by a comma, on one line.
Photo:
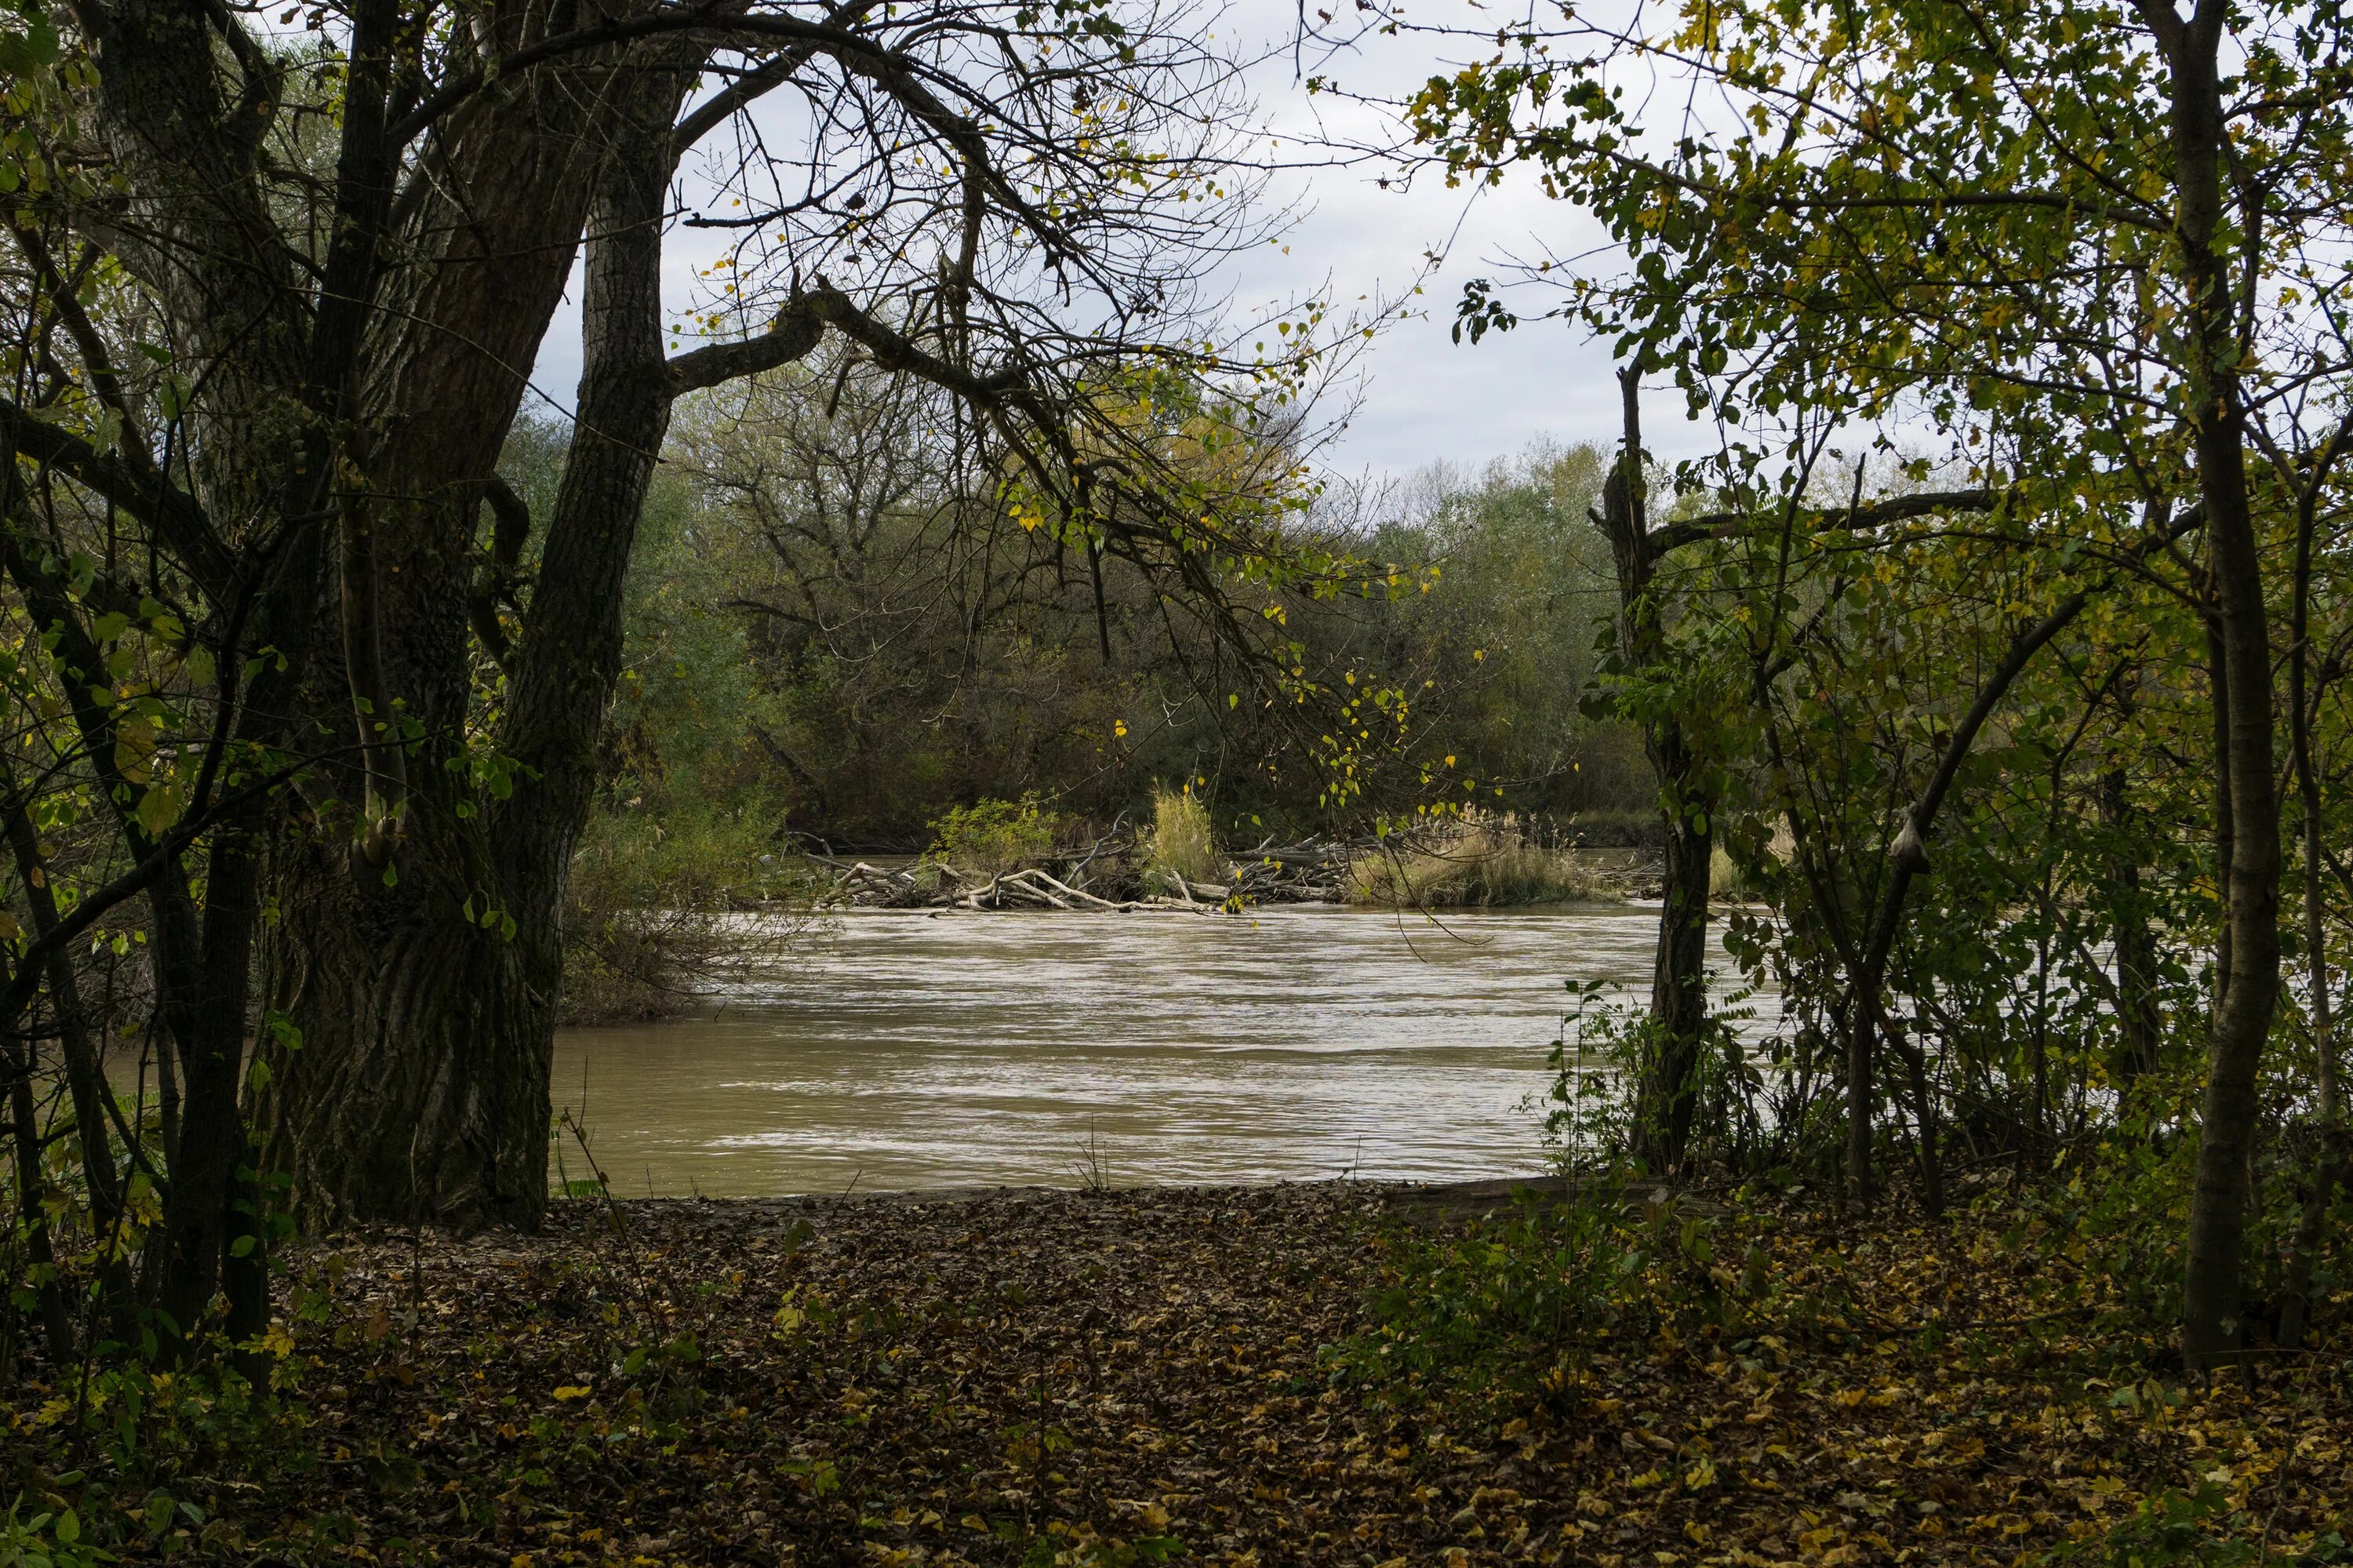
{"points": [[1425, 398]]}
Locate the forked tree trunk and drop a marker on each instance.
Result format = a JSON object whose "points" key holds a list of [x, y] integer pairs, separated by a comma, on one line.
{"points": [[411, 1086], [1666, 1090], [437, 996]]}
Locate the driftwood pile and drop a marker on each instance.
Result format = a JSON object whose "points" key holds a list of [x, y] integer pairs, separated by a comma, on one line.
{"points": [[1104, 878]]}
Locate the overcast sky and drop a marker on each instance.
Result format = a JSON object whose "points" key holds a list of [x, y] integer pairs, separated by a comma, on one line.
{"points": [[1423, 398]]}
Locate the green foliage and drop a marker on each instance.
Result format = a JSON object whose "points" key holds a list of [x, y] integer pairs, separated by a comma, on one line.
{"points": [[646, 922], [2197, 1529], [48, 1539], [993, 836], [1743, 1118], [896, 644], [1518, 1302]]}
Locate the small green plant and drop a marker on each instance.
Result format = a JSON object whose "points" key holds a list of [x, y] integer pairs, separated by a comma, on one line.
{"points": [[1517, 1301], [1604, 1039], [992, 837], [51, 1538], [1182, 839], [2197, 1529]]}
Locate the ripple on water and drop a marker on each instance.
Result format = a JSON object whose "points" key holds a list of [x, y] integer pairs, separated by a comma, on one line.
{"points": [[901, 1051]]}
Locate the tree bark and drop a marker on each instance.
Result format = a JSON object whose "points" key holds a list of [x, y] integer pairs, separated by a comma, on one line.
{"points": [[404, 1098], [428, 1007], [2140, 1024], [1666, 1090], [2212, 1330]]}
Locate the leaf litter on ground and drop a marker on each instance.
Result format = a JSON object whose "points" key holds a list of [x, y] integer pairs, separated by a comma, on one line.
{"points": [[1131, 1377]]}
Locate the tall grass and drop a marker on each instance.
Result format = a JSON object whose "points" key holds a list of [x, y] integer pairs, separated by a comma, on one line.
{"points": [[1182, 839], [1478, 860]]}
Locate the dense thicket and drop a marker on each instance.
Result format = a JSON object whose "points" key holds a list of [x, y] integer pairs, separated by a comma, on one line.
{"points": [[2045, 707]]}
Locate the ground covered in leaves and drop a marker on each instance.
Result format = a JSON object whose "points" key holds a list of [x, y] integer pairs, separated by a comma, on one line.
{"points": [[1215, 1376]]}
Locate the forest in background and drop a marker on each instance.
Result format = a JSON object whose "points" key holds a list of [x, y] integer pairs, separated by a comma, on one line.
{"points": [[828, 631]]}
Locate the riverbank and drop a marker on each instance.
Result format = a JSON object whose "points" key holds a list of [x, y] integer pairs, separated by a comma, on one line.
{"points": [[1126, 1377]]}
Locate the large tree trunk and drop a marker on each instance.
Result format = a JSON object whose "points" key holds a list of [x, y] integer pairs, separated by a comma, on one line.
{"points": [[408, 1096], [437, 993], [406, 1100]]}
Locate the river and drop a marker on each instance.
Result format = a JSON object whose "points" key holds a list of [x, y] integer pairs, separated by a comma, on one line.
{"points": [[891, 1052]]}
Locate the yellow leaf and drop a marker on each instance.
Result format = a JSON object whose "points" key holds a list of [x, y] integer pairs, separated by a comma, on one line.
{"points": [[572, 1391]]}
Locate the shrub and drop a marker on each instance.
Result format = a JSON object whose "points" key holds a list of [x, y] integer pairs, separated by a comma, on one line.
{"points": [[992, 837], [1182, 839], [647, 925], [1589, 1121], [1475, 861]]}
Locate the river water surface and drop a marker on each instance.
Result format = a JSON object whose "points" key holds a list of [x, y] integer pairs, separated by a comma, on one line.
{"points": [[897, 1051]]}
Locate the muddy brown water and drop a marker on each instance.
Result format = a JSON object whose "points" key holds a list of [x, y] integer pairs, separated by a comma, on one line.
{"points": [[891, 1052]]}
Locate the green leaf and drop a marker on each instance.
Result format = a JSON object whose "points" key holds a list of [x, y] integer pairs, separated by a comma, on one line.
{"points": [[158, 808]]}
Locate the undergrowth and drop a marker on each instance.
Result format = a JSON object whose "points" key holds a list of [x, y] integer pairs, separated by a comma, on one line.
{"points": [[1182, 840], [2034, 1312], [991, 837], [649, 917]]}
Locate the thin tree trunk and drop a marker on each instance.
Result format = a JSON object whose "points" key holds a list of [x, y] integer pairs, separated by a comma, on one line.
{"points": [[2335, 1152], [1667, 1084], [2140, 1024], [1907, 858], [25, 1137], [85, 1079], [85, 1071], [2212, 1330], [1923, 1116], [2218, 687]]}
